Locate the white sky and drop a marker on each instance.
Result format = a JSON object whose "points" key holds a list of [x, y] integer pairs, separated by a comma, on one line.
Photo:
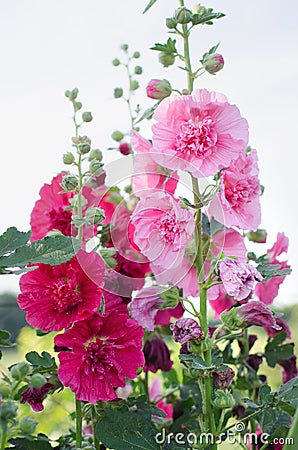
{"points": [[47, 46]]}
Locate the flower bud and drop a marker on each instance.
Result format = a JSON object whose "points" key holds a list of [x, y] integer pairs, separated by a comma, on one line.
{"points": [[87, 116], [20, 370], [158, 89], [183, 15], [186, 329], [136, 55], [116, 62], [223, 400], [4, 390], [69, 182], [223, 378], [38, 380], [134, 85], [68, 158], [232, 320], [124, 148], [77, 105], [8, 410], [118, 92], [259, 236], [72, 95], [213, 63], [166, 59], [138, 70], [28, 425], [95, 215], [171, 23], [199, 9], [124, 47], [84, 148], [95, 166], [117, 136], [95, 154]]}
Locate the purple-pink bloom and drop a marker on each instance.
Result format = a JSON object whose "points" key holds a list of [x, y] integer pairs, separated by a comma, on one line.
{"points": [[199, 133], [162, 228], [186, 329], [238, 277], [157, 356], [256, 313], [283, 327], [219, 300], [35, 396], [288, 368], [223, 378], [238, 202]]}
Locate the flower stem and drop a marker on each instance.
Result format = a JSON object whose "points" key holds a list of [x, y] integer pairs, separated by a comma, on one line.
{"points": [[79, 422], [96, 441]]}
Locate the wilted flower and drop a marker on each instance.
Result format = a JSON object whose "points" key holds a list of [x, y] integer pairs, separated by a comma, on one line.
{"points": [[35, 396], [186, 329], [288, 368], [223, 378], [254, 361], [157, 356], [256, 313]]}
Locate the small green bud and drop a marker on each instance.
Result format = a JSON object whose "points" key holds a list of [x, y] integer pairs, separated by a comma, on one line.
{"points": [[199, 10], [68, 158], [74, 94], [202, 346], [259, 236], [124, 47], [118, 92], [95, 166], [223, 400], [95, 216], [84, 148], [77, 106], [136, 55], [117, 136], [4, 390], [134, 85], [69, 182], [183, 15], [138, 70], [166, 59], [87, 116], [28, 425], [20, 370], [171, 23], [231, 319], [116, 62], [38, 380], [8, 410], [95, 154], [67, 93]]}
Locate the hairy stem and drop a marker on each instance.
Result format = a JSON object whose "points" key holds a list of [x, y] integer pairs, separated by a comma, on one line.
{"points": [[79, 422]]}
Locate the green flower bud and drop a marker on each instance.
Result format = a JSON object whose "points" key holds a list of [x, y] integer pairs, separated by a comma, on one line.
{"points": [[118, 92], [4, 390], [95, 154], [8, 410], [95, 166], [87, 116], [138, 70], [67, 93], [95, 216], [213, 63], [20, 370], [166, 59], [158, 89], [69, 182], [171, 23], [68, 158], [28, 425], [136, 55], [134, 85], [116, 62], [232, 320], [197, 346], [259, 236], [74, 94], [77, 106], [117, 136], [38, 380], [183, 15], [124, 47], [223, 400], [84, 148], [199, 9]]}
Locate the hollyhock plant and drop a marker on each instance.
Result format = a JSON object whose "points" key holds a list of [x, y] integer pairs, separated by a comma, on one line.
{"points": [[162, 228], [100, 352], [199, 133], [238, 202], [238, 278], [54, 297]]}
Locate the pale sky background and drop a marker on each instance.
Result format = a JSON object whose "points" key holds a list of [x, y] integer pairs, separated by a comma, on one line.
{"points": [[47, 46]]}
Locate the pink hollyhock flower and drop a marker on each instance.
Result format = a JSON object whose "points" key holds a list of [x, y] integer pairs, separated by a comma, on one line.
{"points": [[56, 296], [101, 351], [162, 228], [256, 313], [238, 278], [155, 395], [148, 174], [35, 396], [158, 89], [199, 133], [238, 202], [219, 300], [163, 316], [268, 290], [230, 243], [145, 306]]}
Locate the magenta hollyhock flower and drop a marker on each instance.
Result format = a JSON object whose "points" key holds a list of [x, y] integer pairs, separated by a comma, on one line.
{"points": [[100, 352], [186, 329], [238, 202], [162, 228], [256, 313], [56, 296], [238, 278], [124, 148], [148, 174], [199, 133], [163, 316], [268, 290], [219, 300], [157, 356], [35, 396]]}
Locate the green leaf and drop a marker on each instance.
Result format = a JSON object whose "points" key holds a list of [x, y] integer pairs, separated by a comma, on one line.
{"points": [[169, 47], [5, 338], [288, 393], [271, 419], [269, 271], [124, 429], [264, 394], [44, 360], [40, 442], [150, 4], [12, 239], [275, 351]]}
